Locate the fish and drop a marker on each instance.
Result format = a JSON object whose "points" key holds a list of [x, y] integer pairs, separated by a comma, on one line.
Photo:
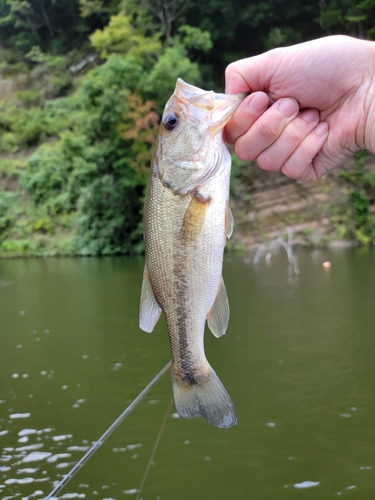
{"points": [[186, 222]]}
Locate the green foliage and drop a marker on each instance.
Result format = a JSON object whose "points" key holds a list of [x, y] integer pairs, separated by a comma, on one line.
{"points": [[8, 211], [89, 138], [108, 217], [52, 71], [56, 26], [43, 225], [121, 37], [360, 221], [47, 177], [174, 63], [19, 248], [19, 127], [350, 17], [89, 7], [29, 97], [90, 170], [237, 166], [195, 38], [360, 204], [279, 37], [240, 29]]}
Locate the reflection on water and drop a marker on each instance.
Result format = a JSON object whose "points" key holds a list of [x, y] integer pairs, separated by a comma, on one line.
{"points": [[298, 361]]}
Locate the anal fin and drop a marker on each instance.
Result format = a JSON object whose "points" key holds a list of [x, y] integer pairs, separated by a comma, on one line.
{"points": [[149, 310], [218, 317]]}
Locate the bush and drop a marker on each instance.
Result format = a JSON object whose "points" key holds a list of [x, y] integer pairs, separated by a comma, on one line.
{"points": [[8, 211], [20, 127], [108, 217], [174, 63], [29, 97]]}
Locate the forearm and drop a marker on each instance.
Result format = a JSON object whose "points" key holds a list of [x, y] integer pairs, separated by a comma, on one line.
{"points": [[370, 121], [368, 132]]}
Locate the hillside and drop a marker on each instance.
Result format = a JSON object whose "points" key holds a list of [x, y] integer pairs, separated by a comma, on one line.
{"points": [[318, 213], [82, 87]]}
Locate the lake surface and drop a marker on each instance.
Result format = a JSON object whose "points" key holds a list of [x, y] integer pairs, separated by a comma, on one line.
{"points": [[298, 360]]}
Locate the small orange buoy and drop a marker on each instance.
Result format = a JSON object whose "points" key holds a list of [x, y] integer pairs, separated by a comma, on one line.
{"points": [[327, 265]]}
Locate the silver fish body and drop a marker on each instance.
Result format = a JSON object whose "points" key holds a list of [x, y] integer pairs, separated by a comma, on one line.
{"points": [[186, 222]]}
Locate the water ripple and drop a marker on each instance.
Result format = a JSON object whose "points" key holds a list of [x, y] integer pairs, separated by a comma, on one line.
{"points": [[307, 484], [36, 456]]}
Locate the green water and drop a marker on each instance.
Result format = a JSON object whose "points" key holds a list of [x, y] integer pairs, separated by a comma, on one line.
{"points": [[298, 360]]}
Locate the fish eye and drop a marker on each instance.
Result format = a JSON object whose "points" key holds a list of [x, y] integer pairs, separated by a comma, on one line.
{"points": [[170, 121]]}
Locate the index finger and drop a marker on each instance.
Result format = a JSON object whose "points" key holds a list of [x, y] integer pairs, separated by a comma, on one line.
{"points": [[246, 115]]}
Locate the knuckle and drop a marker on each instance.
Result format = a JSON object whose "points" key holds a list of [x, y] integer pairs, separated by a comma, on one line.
{"points": [[243, 156], [241, 152], [267, 130], [292, 135], [264, 161], [292, 171], [298, 166], [229, 69]]}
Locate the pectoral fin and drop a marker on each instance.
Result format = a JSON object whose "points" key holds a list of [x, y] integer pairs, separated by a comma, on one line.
{"points": [[218, 317], [193, 219], [149, 311], [229, 222]]}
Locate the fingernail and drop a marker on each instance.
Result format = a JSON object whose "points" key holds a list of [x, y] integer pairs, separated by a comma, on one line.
{"points": [[288, 107], [258, 102], [322, 128], [310, 115]]}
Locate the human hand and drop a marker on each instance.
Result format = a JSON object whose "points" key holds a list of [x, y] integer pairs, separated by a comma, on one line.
{"points": [[312, 105]]}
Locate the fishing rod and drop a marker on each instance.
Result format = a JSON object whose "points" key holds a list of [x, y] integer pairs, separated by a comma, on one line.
{"points": [[109, 431]]}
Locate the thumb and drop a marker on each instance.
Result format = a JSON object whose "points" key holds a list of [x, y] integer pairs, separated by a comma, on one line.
{"points": [[249, 75]]}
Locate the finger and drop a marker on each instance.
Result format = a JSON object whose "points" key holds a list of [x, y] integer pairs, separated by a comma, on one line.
{"points": [[300, 165], [246, 115], [266, 129], [274, 157], [332, 155]]}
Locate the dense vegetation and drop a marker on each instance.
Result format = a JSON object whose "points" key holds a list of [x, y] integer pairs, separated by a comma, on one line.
{"points": [[83, 85]]}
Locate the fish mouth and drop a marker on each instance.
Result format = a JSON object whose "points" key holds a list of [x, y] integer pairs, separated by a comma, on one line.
{"points": [[220, 106]]}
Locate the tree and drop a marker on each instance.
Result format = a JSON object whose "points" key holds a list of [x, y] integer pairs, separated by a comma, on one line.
{"points": [[121, 37], [350, 17]]}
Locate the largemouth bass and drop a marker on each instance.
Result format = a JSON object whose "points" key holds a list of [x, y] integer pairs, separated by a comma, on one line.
{"points": [[186, 222]]}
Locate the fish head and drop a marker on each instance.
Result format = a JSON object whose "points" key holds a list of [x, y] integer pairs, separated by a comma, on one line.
{"points": [[191, 136]]}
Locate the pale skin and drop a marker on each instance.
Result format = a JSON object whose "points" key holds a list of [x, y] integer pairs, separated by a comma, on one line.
{"points": [[311, 106]]}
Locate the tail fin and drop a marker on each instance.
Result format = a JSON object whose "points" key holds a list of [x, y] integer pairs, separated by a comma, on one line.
{"points": [[203, 395]]}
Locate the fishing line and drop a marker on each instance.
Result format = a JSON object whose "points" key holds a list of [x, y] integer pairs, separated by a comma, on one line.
{"points": [[109, 431], [154, 449]]}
